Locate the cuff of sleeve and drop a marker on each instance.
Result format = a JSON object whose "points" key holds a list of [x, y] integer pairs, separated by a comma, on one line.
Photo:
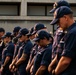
{"points": [[68, 54], [44, 63], [9, 55]]}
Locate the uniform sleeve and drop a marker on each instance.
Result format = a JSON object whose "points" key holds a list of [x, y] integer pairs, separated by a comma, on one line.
{"points": [[46, 59], [70, 46], [16, 50], [10, 50], [27, 48]]}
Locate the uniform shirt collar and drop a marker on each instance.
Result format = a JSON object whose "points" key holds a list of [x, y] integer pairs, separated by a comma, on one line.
{"points": [[26, 41], [47, 45], [10, 42], [73, 25]]}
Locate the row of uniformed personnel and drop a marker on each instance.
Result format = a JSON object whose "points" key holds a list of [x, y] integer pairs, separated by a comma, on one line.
{"points": [[20, 56]]}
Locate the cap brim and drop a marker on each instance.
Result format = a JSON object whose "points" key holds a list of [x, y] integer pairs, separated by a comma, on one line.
{"points": [[12, 34], [34, 32], [36, 39], [3, 37], [29, 34], [52, 11], [54, 21], [19, 35]]}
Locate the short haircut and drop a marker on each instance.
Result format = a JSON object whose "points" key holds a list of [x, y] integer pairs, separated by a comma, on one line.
{"points": [[70, 15], [2, 30]]}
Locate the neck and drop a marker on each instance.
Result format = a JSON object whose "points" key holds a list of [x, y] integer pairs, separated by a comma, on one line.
{"points": [[26, 39]]}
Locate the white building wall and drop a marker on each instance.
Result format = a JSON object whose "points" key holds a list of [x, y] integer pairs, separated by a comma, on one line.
{"points": [[9, 22]]}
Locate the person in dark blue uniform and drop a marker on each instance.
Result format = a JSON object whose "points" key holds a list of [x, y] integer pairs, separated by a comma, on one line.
{"points": [[43, 57], [30, 33], [59, 32], [23, 53], [58, 43], [15, 33], [34, 50], [67, 62], [59, 4], [31, 36], [39, 26], [7, 54], [36, 47], [16, 42], [2, 45], [2, 32], [57, 37]]}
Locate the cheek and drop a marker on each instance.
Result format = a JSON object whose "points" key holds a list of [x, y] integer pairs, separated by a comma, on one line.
{"points": [[21, 38], [1, 34], [33, 36], [40, 42], [62, 22], [6, 39]]}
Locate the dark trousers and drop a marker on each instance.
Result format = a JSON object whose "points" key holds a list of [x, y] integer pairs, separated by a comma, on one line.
{"points": [[16, 73], [22, 71], [6, 72]]}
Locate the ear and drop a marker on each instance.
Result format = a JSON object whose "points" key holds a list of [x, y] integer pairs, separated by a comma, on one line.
{"points": [[66, 17]]}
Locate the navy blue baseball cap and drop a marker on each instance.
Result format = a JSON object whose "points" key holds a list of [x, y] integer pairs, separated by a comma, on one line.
{"points": [[2, 29], [38, 26], [16, 29], [41, 35], [31, 31], [7, 34], [22, 31], [59, 4], [60, 12]]}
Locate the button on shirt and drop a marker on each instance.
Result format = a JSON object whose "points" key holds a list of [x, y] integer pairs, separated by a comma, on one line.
{"points": [[70, 49]]}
